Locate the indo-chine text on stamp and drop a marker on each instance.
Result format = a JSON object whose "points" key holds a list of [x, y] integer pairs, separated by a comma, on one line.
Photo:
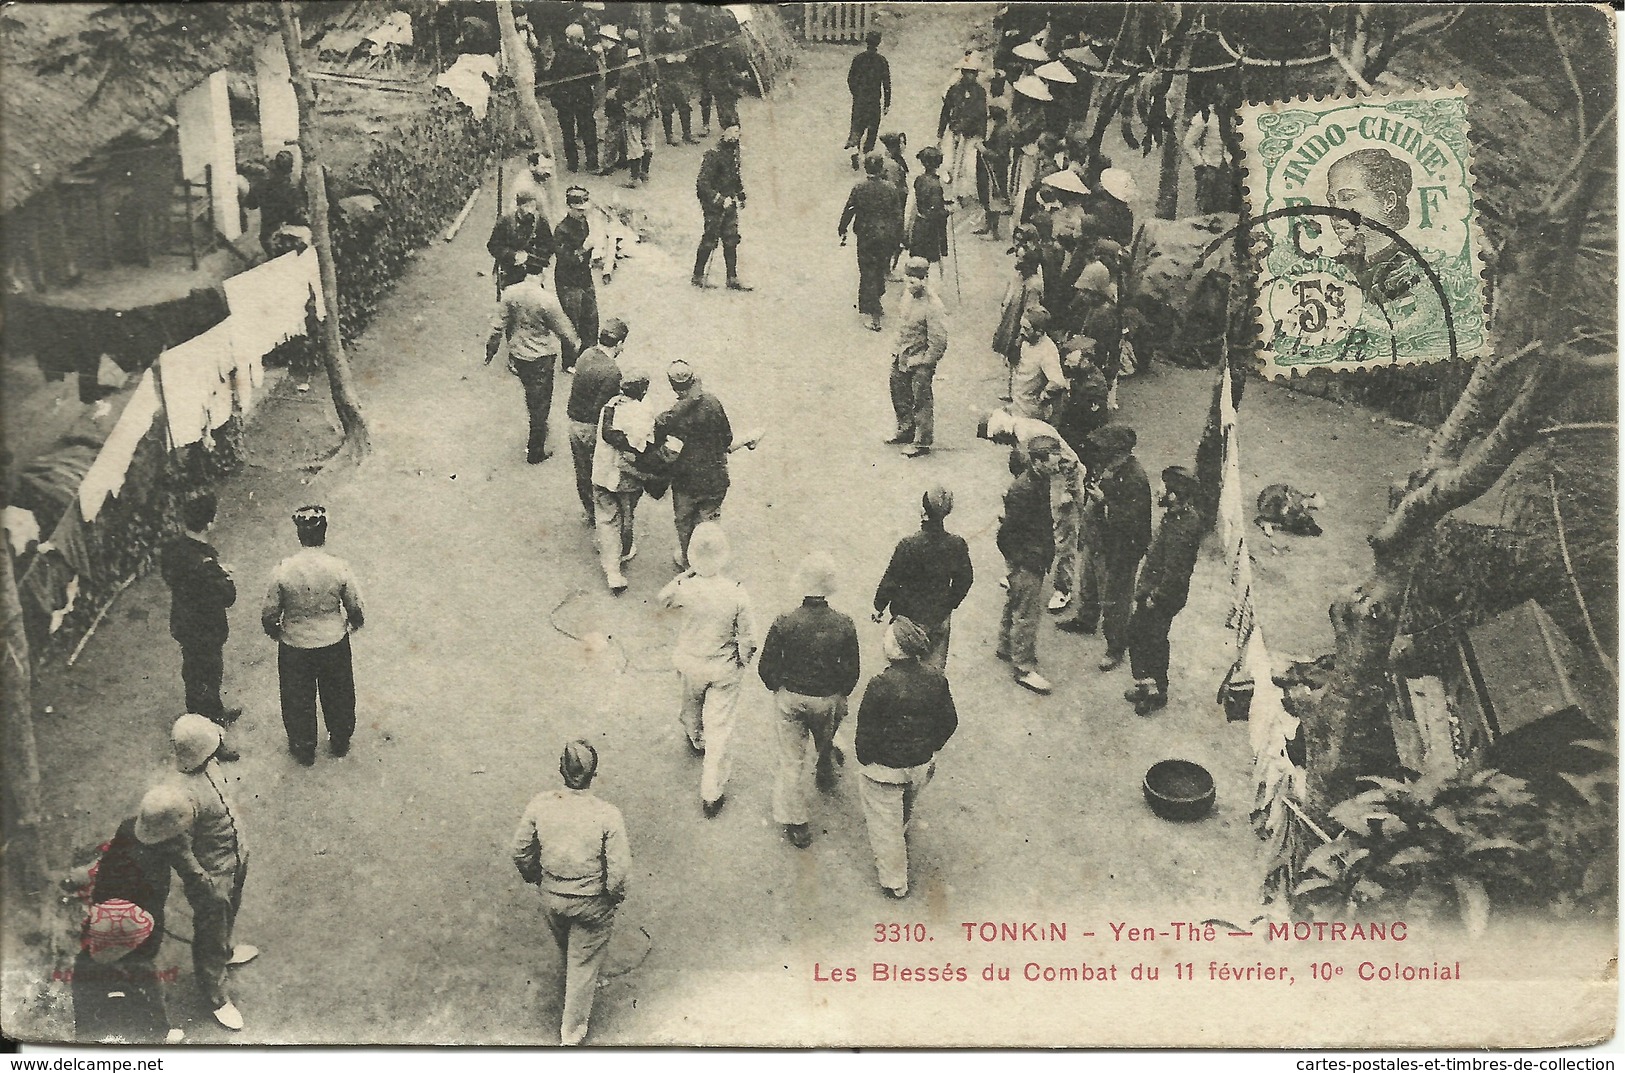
{"points": [[1364, 232]]}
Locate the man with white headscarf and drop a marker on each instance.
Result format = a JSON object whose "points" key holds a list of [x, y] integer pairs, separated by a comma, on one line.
{"points": [[906, 717], [810, 664], [572, 845]]}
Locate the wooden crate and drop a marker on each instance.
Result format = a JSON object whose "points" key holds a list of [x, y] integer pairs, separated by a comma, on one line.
{"points": [[836, 22]]}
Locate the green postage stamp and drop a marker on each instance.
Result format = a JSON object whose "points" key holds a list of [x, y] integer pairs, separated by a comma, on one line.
{"points": [[1365, 238]]}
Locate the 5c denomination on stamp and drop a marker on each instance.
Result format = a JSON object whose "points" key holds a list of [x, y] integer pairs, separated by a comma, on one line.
{"points": [[1365, 234]]}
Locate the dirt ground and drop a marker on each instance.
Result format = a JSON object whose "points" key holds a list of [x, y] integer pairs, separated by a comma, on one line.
{"points": [[380, 889]]}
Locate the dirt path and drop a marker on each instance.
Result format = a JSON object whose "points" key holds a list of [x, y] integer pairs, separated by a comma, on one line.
{"points": [[381, 893]]}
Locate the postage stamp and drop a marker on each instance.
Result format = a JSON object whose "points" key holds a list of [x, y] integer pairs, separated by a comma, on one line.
{"points": [[1367, 249]]}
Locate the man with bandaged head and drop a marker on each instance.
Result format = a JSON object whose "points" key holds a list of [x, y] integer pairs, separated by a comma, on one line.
{"points": [[906, 717], [572, 845]]}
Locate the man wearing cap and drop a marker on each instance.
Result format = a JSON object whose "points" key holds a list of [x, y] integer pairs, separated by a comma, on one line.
{"points": [[116, 986], [212, 860], [715, 642], [572, 84], [993, 171], [962, 123], [1066, 488], [721, 192], [703, 441], [311, 607], [1116, 533], [868, 80], [201, 589], [1162, 588], [922, 339], [809, 662], [623, 433], [537, 330], [873, 210], [573, 274], [928, 577], [635, 94], [523, 231], [1027, 541], [572, 846], [1040, 381], [597, 380], [610, 54], [907, 715], [725, 72], [672, 42], [928, 237]]}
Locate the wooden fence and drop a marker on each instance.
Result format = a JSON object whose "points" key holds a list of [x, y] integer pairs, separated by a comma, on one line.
{"points": [[836, 22]]}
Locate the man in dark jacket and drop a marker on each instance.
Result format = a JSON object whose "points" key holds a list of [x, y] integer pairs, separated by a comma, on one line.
{"points": [[699, 476], [963, 121], [524, 230], [200, 590], [872, 210], [573, 273], [721, 191], [597, 380], [572, 83], [1165, 581], [869, 82], [928, 577], [1027, 542], [1116, 533], [809, 663], [280, 199], [906, 717], [673, 45]]}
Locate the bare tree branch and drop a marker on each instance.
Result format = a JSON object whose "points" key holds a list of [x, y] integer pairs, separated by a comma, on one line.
{"points": [[1467, 417], [1561, 195], [1568, 69]]}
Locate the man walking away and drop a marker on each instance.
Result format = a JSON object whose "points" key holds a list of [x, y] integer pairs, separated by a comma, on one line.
{"points": [[536, 328], [201, 589], [874, 212], [809, 663], [714, 644], [906, 717], [311, 607], [722, 194], [597, 379], [869, 82], [922, 339], [929, 575], [625, 430], [572, 846], [1164, 584], [1027, 542]]}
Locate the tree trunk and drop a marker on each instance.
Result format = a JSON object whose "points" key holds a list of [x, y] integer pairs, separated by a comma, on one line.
{"points": [[357, 443], [25, 867], [522, 68], [1168, 179]]}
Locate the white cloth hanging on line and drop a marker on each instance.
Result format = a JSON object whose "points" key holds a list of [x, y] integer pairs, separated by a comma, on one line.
{"points": [[196, 395], [105, 477]]}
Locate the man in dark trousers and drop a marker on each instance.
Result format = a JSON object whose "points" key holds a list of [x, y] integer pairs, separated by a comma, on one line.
{"points": [[874, 212], [809, 663], [573, 273], [928, 577], [1116, 533], [922, 339], [531, 320], [1165, 581], [1027, 541], [673, 45], [201, 588], [280, 199], [311, 607], [523, 231], [597, 380], [572, 83], [699, 474], [869, 82], [721, 191]]}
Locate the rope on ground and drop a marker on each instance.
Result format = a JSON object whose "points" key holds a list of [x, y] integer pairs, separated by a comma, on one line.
{"points": [[637, 962], [553, 620]]}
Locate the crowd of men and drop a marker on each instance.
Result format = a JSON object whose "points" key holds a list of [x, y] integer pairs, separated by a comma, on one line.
{"points": [[1077, 518]]}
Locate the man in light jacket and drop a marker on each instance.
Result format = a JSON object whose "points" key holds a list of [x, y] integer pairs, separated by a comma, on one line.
{"points": [[922, 339]]}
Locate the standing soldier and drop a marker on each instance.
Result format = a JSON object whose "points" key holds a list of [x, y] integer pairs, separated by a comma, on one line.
{"points": [[212, 862], [611, 53], [1164, 584], [727, 75], [872, 210], [906, 717], [896, 173], [1027, 542], [200, 590], [809, 663], [311, 607], [869, 82], [993, 172], [962, 123], [714, 644], [1116, 533], [922, 339], [928, 577], [635, 92], [624, 431], [672, 42], [524, 231], [928, 237], [534, 324], [573, 87], [572, 845], [597, 379], [573, 274], [721, 191]]}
